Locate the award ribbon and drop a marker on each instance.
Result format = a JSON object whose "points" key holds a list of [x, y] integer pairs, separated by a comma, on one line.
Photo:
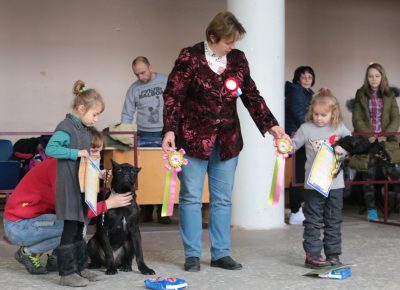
{"points": [[232, 85], [174, 164], [283, 147]]}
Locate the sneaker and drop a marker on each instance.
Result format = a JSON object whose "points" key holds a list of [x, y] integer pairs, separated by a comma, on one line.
{"points": [[297, 218], [192, 264], [30, 261], [333, 260], [316, 262], [372, 215], [51, 265]]}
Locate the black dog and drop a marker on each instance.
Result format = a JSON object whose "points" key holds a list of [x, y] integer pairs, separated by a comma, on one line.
{"points": [[117, 238]]}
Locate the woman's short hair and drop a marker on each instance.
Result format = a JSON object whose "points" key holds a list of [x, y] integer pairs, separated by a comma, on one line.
{"points": [[224, 24], [302, 70]]}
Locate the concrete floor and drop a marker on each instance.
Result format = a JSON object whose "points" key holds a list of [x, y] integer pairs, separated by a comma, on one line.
{"points": [[272, 259]]}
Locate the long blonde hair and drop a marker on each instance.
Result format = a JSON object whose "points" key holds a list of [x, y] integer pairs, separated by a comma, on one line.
{"points": [[326, 98]]}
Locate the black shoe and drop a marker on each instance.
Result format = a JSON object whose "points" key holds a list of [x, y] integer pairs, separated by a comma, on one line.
{"points": [[192, 264], [226, 263]]}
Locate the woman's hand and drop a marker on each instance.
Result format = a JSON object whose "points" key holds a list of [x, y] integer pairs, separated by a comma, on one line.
{"points": [[119, 200], [168, 141], [278, 133], [371, 139]]}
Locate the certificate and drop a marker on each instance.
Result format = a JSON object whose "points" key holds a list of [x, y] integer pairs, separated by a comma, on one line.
{"points": [[323, 170]]}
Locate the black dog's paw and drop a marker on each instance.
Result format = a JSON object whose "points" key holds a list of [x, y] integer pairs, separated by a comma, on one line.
{"points": [[146, 270], [125, 268], [111, 271]]}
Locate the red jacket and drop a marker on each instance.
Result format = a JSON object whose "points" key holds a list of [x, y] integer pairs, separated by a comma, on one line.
{"points": [[35, 194], [200, 111]]}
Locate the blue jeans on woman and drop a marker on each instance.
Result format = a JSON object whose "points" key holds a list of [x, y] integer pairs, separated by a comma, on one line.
{"points": [[220, 182], [37, 235]]}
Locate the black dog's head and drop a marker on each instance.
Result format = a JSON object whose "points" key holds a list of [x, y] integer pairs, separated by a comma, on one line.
{"points": [[123, 177]]}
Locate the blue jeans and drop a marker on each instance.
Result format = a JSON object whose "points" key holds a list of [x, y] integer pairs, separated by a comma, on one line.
{"points": [[220, 182], [36, 235]]}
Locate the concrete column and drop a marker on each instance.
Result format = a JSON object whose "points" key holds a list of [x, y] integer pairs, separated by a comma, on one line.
{"points": [[264, 46]]}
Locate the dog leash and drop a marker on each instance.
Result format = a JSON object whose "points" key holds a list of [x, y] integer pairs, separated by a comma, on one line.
{"points": [[104, 198]]}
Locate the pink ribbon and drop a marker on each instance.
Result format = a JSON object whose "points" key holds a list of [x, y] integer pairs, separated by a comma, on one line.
{"points": [[174, 164], [283, 148]]}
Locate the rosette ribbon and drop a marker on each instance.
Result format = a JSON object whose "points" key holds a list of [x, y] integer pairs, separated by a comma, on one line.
{"points": [[174, 164], [232, 85], [283, 147]]}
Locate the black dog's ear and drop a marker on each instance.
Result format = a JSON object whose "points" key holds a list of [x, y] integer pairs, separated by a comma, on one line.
{"points": [[136, 169], [114, 164]]}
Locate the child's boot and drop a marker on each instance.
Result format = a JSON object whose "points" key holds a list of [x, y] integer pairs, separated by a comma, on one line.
{"points": [[333, 260], [68, 267], [315, 262], [82, 257]]}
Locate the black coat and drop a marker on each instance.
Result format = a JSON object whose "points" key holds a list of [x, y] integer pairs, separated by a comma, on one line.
{"points": [[297, 102]]}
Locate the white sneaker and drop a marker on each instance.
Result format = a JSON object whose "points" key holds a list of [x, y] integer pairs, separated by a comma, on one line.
{"points": [[297, 218]]}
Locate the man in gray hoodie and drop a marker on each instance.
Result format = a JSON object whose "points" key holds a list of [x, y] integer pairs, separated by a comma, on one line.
{"points": [[145, 99]]}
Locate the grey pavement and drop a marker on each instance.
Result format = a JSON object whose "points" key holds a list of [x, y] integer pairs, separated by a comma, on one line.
{"points": [[272, 259]]}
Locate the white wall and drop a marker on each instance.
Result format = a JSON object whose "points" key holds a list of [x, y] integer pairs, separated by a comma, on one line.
{"points": [[339, 39], [48, 44], [45, 45]]}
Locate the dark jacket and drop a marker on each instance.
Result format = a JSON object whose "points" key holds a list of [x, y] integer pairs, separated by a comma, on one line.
{"points": [[362, 123], [297, 102], [200, 111]]}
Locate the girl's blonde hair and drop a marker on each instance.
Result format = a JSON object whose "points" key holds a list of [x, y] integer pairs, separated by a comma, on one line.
{"points": [[86, 97], [325, 97]]}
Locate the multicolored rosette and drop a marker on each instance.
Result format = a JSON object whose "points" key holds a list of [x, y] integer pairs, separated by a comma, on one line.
{"points": [[283, 148], [174, 164], [232, 85]]}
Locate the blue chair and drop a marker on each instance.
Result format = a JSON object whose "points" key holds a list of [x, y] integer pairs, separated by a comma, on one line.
{"points": [[9, 169], [6, 149]]}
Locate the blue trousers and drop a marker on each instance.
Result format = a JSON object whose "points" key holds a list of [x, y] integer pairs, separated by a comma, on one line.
{"points": [[220, 182], [37, 235]]}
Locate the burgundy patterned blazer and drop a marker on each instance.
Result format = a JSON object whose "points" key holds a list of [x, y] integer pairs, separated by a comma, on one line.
{"points": [[200, 111]]}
